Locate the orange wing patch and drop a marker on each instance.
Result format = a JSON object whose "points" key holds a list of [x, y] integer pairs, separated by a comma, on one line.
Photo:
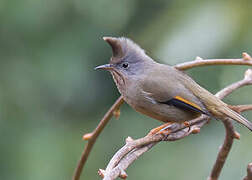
{"points": [[187, 102]]}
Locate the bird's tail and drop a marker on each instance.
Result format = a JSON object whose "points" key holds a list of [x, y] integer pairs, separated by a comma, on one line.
{"points": [[237, 117]]}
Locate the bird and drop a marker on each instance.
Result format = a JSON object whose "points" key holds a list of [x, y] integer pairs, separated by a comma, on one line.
{"points": [[161, 91]]}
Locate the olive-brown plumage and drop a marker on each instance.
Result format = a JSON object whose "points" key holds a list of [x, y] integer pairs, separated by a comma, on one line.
{"points": [[161, 91]]}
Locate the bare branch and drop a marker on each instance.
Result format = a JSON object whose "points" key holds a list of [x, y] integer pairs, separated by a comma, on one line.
{"points": [[246, 81], [230, 132], [241, 108], [246, 60], [249, 172], [224, 150], [93, 136]]}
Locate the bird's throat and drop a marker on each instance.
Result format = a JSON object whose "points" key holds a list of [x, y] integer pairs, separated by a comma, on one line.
{"points": [[120, 81]]}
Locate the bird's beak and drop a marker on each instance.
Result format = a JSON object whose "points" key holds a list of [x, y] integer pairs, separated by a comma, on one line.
{"points": [[105, 67]]}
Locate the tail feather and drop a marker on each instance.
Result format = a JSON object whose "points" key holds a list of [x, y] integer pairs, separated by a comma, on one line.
{"points": [[237, 117]]}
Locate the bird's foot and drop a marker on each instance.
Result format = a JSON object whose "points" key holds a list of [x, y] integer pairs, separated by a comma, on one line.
{"points": [[164, 129], [187, 124]]}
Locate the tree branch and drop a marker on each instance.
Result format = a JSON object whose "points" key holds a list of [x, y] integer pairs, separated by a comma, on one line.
{"points": [[230, 132], [249, 172], [91, 137], [246, 60], [241, 108], [224, 150]]}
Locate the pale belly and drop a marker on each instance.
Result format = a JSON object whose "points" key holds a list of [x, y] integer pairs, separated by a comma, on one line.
{"points": [[162, 112]]}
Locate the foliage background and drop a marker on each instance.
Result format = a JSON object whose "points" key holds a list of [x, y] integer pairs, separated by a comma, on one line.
{"points": [[50, 95]]}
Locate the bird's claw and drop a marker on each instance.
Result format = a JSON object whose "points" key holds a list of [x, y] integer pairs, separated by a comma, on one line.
{"points": [[187, 124], [164, 129]]}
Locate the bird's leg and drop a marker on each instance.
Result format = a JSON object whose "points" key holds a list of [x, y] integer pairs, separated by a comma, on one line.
{"points": [[163, 129]]}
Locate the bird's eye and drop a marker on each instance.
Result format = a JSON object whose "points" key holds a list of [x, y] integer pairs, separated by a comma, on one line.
{"points": [[125, 65]]}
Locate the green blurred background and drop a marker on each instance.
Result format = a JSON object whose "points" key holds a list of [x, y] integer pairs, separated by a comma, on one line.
{"points": [[50, 95]]}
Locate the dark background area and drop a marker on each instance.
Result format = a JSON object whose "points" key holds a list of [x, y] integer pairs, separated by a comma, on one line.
{"points": [[50, 94]]}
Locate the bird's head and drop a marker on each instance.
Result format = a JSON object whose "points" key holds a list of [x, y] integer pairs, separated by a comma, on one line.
{"points": [[128, 59]]}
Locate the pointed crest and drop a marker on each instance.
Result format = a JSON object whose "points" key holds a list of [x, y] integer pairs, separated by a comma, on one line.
{"points": [[115, 45]]}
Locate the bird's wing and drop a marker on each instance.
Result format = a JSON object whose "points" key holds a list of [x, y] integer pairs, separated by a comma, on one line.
{"points": [[165, 89], [184, 104]]}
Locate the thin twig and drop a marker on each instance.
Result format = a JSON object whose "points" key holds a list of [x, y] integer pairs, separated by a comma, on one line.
{"points": [[93, 136], [249, 172], [246, 81], [133, 149], [224, 150], [230, 132], [241, 108], [246, 60]]}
